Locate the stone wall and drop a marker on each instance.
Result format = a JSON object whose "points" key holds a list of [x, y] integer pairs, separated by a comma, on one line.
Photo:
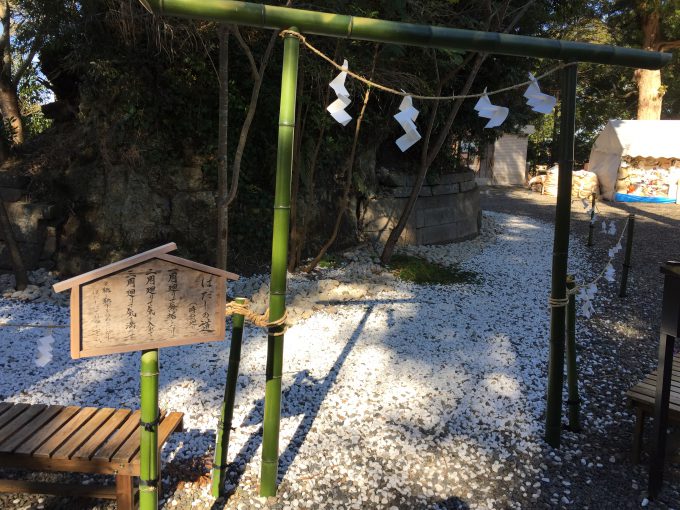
{"points": [[447, 209]]}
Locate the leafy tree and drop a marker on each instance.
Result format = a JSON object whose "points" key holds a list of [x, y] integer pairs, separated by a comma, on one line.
{"points": [[653, 25]]}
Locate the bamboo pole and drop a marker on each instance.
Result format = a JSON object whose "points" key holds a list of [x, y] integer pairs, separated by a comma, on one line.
{"points": [[148, 452], [627, 256], [591, 226], [227, 410], [558, 293], [377, 30], [277, 293], [572, 369]]}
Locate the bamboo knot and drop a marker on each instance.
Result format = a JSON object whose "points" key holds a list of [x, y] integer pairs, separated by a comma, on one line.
{"points": [[262, 321]]}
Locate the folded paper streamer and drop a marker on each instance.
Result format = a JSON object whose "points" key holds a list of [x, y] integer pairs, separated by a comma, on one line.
{"points": [[586, 296], [406, 118], [495, 114], [609, 273], [337, 107], [539, 102], [44, 350]]}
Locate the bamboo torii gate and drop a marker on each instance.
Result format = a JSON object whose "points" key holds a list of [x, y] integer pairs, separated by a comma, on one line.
{"points": [[366, 29]]}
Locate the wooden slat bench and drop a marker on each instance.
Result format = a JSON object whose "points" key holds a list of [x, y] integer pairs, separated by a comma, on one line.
{"points": [[641, 397], [76, 439]]}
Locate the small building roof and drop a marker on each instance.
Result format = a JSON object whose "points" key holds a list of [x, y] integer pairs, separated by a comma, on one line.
{"points": [[157, 253]]}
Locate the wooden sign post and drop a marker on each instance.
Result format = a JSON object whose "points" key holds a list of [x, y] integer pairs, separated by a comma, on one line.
{"points": [[142, 303]]}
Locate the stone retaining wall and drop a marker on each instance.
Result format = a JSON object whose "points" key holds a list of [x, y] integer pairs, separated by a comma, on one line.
{"points": [[447, 210]]}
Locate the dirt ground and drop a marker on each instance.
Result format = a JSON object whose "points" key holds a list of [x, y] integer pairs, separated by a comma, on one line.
{"points": [[628, 333]]}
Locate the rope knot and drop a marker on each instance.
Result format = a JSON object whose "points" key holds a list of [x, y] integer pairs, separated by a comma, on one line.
{"points": [[262, 321]]}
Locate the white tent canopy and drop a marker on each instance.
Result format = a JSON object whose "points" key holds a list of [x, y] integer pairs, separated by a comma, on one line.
{"points": [[633, 138]]}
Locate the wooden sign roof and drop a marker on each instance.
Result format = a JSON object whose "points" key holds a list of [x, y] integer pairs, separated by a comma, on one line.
{"points": [[147, 301]]}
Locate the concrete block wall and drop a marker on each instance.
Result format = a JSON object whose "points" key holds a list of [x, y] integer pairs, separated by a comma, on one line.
{"points": [[447, 210]]}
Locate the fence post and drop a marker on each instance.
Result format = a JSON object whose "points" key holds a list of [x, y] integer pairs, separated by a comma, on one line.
{"points": [[591, 227], [572, 371], [227, 410], [626, 257]]}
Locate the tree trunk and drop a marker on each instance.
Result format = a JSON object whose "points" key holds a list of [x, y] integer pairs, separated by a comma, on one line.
{"points": [[650, 94], [650, 90], [222, 146], [9, 99], [427, 157], [20, 274]]}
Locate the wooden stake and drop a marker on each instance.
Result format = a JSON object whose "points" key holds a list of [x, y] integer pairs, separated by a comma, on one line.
{"points": [[572, 370], [626, 257]]}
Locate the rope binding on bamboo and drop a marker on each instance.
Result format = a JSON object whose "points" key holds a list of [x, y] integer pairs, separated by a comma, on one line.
{"points": [[261, 321]]}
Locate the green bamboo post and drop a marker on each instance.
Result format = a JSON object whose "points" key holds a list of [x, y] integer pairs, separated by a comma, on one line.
{"points": [[227, 410], [558, 293], [591, 227], [277, 294], [148, 452], [574, 402], [627, 255]]}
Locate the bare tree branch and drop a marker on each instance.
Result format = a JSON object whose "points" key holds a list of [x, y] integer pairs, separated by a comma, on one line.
{"points": [[246, 49], [245, 129], [37, 43], [668, 45]]}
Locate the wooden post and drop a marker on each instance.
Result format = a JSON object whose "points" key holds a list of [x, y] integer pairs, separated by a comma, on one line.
{"points": [[553, 420], [572, 370], [149, 479], [591, 226], [277, 294], [627, 255], [670, 330], [227, 410]]}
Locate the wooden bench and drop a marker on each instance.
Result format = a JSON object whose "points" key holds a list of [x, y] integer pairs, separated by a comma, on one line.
{"points": [[641, 397], [76, 439]]}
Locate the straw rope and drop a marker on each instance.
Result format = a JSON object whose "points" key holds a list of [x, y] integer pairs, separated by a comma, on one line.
{"points": [[609, 261], [262, 321], [390, 90], [561, 302]]}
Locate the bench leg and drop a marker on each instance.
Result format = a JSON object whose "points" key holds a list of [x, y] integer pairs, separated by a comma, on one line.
{"points": [[637, 434], [125, 492]]}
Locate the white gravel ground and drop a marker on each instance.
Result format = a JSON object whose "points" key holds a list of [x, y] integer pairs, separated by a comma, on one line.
{"points": [[403, 396]]}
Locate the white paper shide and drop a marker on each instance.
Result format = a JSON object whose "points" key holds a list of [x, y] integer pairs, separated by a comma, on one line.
{"points": [[44, 350], [337, 107], [406, 118], [537, 100], [495, 114]]}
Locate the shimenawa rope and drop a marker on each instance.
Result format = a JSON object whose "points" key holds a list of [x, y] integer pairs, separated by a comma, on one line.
{"points": [[384, 88], [262, 321]]}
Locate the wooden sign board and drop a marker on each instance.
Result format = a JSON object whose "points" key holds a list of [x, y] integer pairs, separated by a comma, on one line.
{"points": [[147, 301]]}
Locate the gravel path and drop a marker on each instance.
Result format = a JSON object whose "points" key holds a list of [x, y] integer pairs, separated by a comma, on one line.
{"points": [[402, 396]]}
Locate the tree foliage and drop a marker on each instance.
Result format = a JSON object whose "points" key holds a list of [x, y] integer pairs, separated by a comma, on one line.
{"points": [[144, 91]]}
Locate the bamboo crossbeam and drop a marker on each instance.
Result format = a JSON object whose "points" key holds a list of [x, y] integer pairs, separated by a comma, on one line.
{"points": [[377, 30]]}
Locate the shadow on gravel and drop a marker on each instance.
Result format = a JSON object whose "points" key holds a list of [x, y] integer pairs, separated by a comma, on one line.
{"points": [[452, 503], [293, 398]]}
